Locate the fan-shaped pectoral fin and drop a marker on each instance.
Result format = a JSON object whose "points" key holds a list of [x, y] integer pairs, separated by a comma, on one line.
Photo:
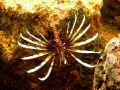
{"points": [[31, 47], [28, 40], [44, 38], [83, 51], [49, 71], [71, 32], [81, 34], [35, 56], [75, 44], [36, 38], [84, 64], [74, 35], [42, 64], [67, 30]]}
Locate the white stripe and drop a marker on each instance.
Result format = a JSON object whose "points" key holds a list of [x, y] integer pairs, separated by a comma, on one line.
{"points": [[67, 29], [43, 37], [84, 42], [41, 65], [31, 41], [84, 64], [36, 38], [83, 51], [79, 27], [80, 35], [34, 56], [49, 71], [73, 26], [30, 47]]}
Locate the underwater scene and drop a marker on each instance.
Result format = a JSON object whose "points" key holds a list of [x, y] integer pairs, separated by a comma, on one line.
{"points": [[60, 44]]}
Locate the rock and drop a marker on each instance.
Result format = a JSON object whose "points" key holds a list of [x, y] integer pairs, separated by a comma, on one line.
{"points": [[107, 71], [51, 10]]}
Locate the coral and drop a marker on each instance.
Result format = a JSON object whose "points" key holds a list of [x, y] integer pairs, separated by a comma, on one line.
{"points": [[107, 71]]}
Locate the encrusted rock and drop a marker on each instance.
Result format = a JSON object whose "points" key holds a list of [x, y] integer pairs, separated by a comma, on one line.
{"points": [[52, 10], [107, 71]]}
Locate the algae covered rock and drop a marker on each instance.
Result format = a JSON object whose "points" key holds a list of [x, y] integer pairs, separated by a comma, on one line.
{"points": [[53, 10], [107, 71]]}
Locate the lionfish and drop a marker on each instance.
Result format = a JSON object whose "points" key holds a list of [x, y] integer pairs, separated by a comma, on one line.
{"points": [[47, 48]]}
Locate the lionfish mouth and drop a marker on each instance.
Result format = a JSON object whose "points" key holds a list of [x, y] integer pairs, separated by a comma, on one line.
{"points": [[59, 47]]}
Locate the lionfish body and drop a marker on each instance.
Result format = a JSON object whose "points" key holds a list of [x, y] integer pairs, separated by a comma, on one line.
{"points": [[46, 48], [59, 46]]}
